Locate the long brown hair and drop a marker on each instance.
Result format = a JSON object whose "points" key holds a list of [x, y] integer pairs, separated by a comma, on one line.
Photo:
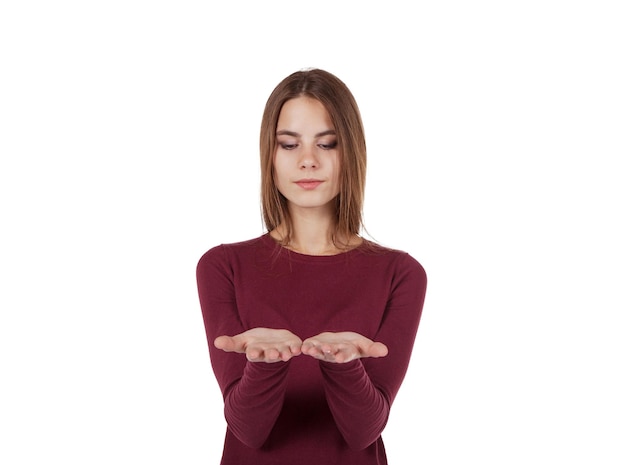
{"points": [[346, 118]]}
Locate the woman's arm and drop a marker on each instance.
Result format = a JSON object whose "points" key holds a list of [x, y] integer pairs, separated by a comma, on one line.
{"points": [[362, 377], [253, 391]]}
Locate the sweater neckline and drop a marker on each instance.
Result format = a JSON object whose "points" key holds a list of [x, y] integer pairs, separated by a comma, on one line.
{"points": [[275, 245]]}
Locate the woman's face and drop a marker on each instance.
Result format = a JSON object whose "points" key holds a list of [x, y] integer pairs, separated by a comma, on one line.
{"points": [[306, 161]]}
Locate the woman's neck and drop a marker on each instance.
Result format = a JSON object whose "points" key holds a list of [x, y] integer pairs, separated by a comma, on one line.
{"points": [[314, 235]]}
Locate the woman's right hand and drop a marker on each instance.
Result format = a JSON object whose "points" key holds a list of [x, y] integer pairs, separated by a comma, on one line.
{"points": [[262, 344]]}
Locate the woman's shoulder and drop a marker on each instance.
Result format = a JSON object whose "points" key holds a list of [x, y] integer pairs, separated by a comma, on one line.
{"points": [[382, 253], [225, 250]]}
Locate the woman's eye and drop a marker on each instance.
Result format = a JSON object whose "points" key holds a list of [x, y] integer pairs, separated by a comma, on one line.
{"points": [[328, 146], [286, 146]]}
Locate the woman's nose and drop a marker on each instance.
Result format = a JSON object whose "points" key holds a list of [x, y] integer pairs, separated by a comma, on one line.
{"points": [[308, 158]]}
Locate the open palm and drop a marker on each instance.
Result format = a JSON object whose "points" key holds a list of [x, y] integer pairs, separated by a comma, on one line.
{"points": [[262, 344], [342, 347]]}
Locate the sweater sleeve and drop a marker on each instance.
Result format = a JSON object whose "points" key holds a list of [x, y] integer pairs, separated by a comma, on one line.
{"points": [[253, 392], [360, 393]]}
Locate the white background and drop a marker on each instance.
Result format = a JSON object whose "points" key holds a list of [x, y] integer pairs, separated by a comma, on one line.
{"points": [[496, 137]]}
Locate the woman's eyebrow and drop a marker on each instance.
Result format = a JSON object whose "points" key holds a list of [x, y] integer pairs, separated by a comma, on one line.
{"points": [[285, 132]]}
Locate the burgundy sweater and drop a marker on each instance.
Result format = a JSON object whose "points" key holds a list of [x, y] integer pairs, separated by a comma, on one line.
{"points": [[305, 411]]}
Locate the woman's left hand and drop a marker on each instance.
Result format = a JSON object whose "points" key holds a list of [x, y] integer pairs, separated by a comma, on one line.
{"points": [[342, 347]]}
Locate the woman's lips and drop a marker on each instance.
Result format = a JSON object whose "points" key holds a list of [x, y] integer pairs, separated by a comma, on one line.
{"points": [[308, 184]]}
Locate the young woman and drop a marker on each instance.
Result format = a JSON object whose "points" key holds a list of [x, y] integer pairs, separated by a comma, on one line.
{"points": [[310, 326]]}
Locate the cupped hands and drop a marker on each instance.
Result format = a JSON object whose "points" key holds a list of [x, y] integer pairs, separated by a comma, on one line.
{"points": [[275, 345]]}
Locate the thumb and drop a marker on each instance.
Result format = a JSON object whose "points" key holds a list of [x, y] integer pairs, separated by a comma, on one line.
{"points": [[377, 349], [225, 343]]}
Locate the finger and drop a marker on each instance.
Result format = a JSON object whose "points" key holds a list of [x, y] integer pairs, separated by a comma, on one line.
{"points": [[313, 351], [268, 355], [307, 347], [272, 355], [318, 354], [342, 357], [254, 355], [295, 348], [290, 351]]}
